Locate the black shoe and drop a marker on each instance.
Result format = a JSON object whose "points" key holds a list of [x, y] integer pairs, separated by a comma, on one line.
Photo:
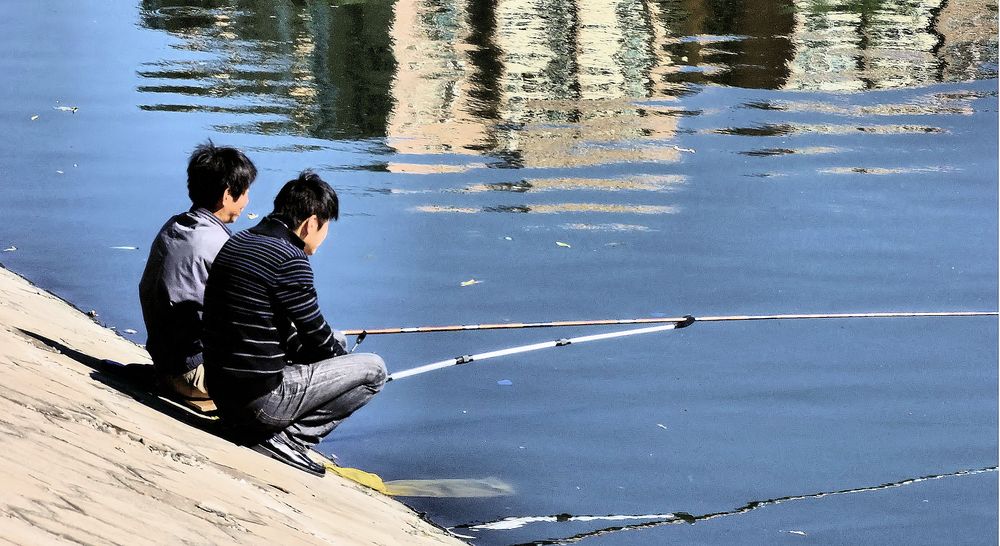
{"points": [[278, 447]]}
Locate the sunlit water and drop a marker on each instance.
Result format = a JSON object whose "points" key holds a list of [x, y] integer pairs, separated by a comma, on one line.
{"points": [[579, 160]]}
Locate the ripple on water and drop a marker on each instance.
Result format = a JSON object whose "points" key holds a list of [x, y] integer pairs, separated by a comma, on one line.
{"points": [[887, 170], [607, 227], [809, 150], [630, 183], [613, 208], [783, 129]]}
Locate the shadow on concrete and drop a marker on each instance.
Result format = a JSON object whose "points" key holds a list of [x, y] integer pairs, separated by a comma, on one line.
{"points": [[138, 382]]}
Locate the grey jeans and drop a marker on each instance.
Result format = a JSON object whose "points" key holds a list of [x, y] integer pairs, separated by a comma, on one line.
{"points": [[313, 399]]}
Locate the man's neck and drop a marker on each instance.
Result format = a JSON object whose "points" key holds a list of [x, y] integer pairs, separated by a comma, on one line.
{"points": [[222, 216]]}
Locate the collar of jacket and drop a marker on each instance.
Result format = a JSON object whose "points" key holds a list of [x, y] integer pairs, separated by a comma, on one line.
{"points": [[202, 212], [274, 227]]}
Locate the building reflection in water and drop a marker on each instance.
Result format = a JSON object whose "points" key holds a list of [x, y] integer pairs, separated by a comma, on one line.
{"points": [[288, 67], [539, 83], [878, 45]]}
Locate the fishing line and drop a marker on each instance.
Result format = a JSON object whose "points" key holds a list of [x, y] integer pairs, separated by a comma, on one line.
{"points": [[656, 520]]}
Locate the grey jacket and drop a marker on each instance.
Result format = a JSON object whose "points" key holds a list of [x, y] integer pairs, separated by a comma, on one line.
{"points": [[172, 289]]}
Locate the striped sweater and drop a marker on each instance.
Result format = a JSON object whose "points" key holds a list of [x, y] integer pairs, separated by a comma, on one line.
{"points": [[261, 313]]}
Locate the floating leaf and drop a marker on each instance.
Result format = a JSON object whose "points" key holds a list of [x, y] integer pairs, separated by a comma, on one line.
{"points": [[470, 282], [562, 244]]}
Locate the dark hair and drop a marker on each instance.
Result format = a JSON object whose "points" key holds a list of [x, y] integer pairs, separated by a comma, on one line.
{"points": [[211, 171], [304, 196]]}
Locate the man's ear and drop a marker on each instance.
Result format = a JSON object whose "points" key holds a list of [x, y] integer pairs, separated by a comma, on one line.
{"points": [[312, 224], [222, 201], [226, 199]]}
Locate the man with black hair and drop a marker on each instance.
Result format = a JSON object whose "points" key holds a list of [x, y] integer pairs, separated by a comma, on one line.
{"points": [[277, 371], [172, 288]]}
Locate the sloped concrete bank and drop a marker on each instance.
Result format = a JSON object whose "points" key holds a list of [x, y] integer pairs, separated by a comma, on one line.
{"points": [[82, 460]]}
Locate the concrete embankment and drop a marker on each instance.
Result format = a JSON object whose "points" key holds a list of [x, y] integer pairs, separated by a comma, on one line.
{"points": [[83, 460]]}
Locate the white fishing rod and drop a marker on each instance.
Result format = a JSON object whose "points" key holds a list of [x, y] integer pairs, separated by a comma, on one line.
{"points": [[536, 346], [669, 324]]}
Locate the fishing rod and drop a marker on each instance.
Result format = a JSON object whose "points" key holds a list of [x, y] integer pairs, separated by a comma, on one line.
{"points": [[669, 324], [684, 322], [651, 320]]}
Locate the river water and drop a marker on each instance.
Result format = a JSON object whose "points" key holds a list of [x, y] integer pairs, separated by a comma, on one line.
{"points": [[578, 160]]}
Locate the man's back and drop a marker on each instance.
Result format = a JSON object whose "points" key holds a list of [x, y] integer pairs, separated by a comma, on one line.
{"points": [[261, 313], [279, 376], [172, 288]]}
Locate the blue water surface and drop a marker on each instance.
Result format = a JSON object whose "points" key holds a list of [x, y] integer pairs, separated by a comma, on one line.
{"points": [[704, 158]]}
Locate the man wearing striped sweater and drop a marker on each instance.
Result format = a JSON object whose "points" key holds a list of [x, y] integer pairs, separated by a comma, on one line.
{"points": [[277, 371]]}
